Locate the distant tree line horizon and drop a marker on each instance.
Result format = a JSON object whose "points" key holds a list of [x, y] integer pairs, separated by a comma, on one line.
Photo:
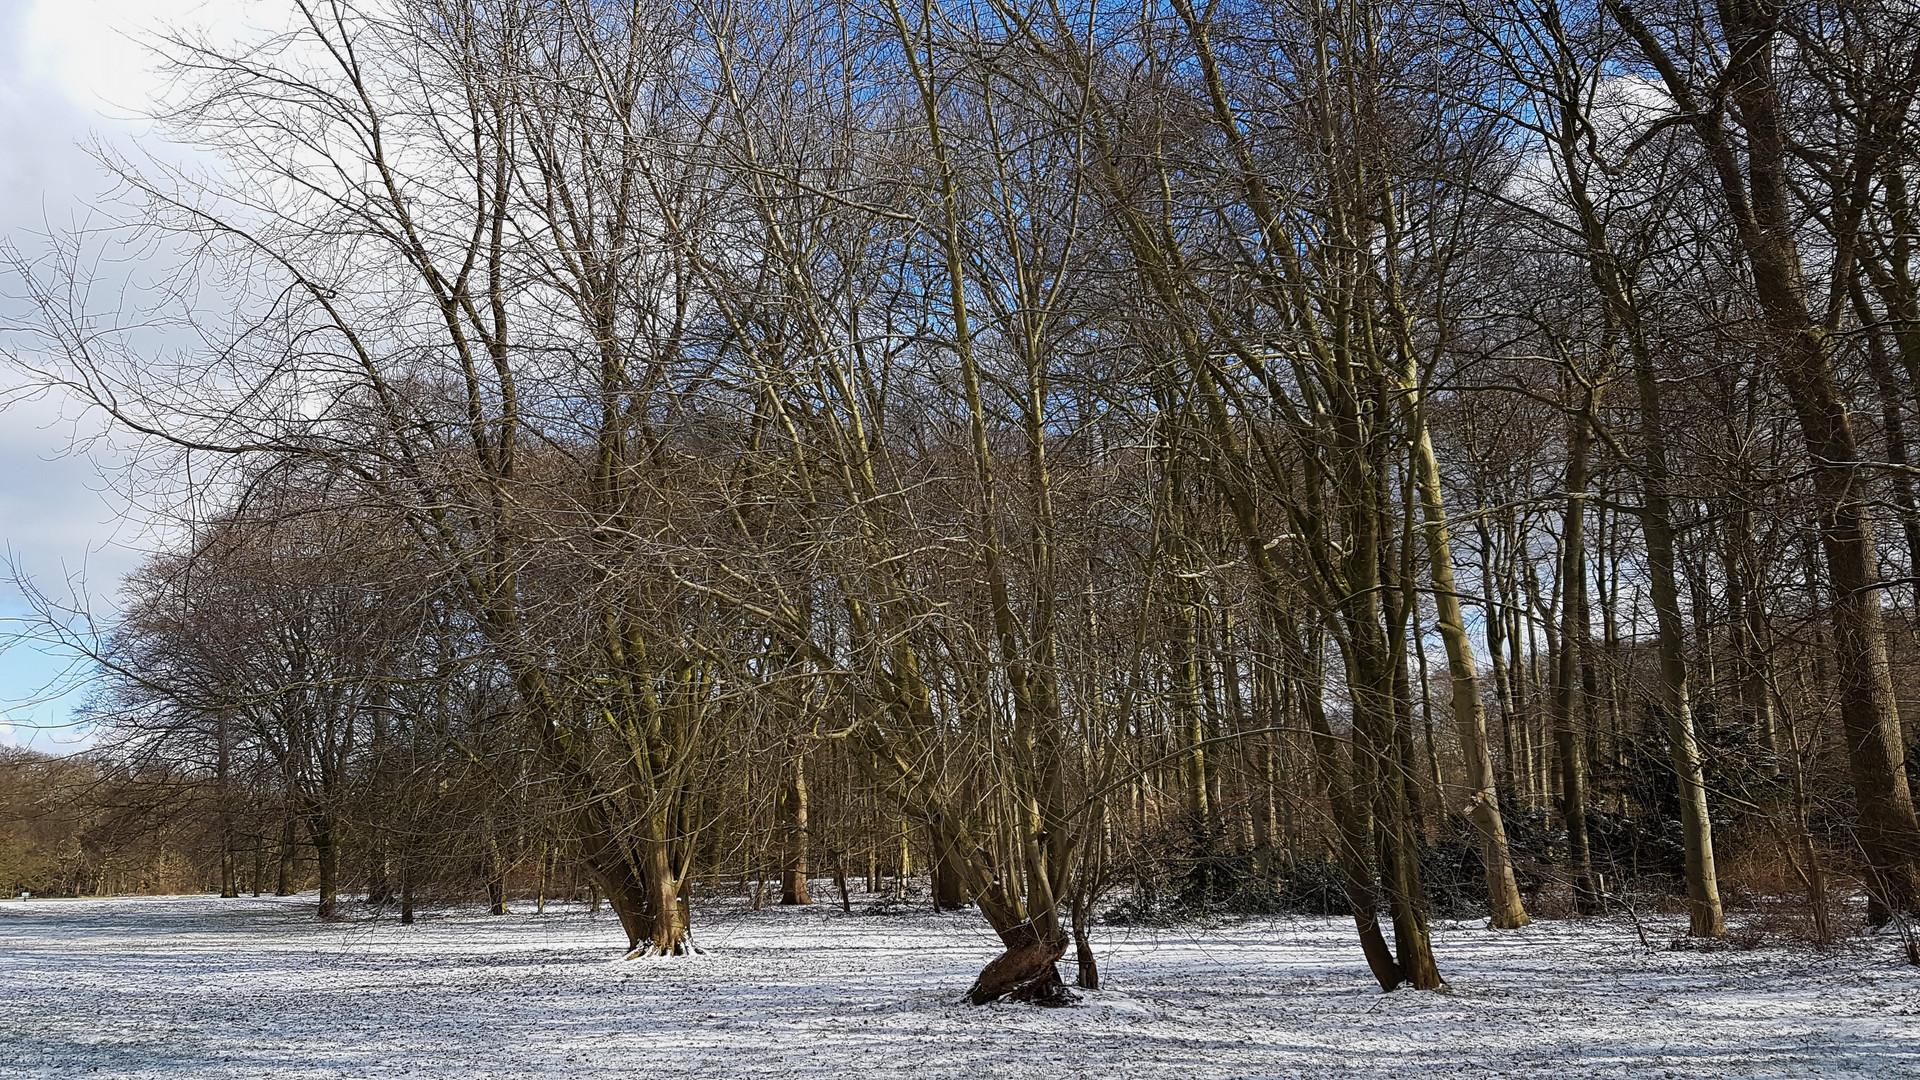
{"points": [[1385, 457]]}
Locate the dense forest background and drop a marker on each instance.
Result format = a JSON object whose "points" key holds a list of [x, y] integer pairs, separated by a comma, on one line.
{"points": [[1106, 462]]}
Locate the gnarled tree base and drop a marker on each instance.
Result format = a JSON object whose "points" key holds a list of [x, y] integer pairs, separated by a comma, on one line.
{"points": [[1025, 972]]}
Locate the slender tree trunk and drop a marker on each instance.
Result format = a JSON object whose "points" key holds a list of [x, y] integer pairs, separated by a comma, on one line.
{"points": [[793, 876], [229, 873], [1812, 872], [1705, 918], [1573, 639], [1893, 428], [327, 862], [1747, 614], [1088, 977], [288, 853], [1480, 802], [540, 894], [406, 888], [1264, 823], [1494, 619], [496, 868], [229, 882]]}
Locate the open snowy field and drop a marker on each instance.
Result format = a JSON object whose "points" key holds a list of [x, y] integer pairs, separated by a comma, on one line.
{"points": [[200, 987]]}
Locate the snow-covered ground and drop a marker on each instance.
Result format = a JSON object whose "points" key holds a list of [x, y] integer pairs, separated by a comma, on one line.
{"points": [[199, 987]]}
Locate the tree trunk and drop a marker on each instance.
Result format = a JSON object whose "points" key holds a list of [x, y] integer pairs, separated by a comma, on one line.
{"points": [[666, 914], [1481, 802], [1265, 817], [949, 884], [1893, 429], [1747, 615], [1573, 642], [1027, 970], [229, 883], [406, 891], [1353, 848], [379, 886], [1088, 976], [496, 878], [634, 888], [540, 895], [1812, 873], [1889, 830], [327, 862], [229, 874], [1705, 917], [793, 876], [1494, 618], [903, 870], [288, 853]]}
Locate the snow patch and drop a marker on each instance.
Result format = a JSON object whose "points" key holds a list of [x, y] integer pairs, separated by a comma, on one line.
{"points": [[178, 987]]}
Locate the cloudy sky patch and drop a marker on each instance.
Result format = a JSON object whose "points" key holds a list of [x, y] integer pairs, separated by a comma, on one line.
{"points": [[73, 74]]}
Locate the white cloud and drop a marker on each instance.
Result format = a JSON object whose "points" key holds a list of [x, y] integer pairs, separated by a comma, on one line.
{"points": [[93, 50]]}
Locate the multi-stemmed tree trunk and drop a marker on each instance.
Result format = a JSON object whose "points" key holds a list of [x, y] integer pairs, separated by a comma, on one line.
{"points": [[1050, 830], [955, 698], [1354, 847], [1381, 751]]}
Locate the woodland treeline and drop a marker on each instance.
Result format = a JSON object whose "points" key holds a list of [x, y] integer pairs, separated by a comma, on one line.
{"points": [[1120, 461]]}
